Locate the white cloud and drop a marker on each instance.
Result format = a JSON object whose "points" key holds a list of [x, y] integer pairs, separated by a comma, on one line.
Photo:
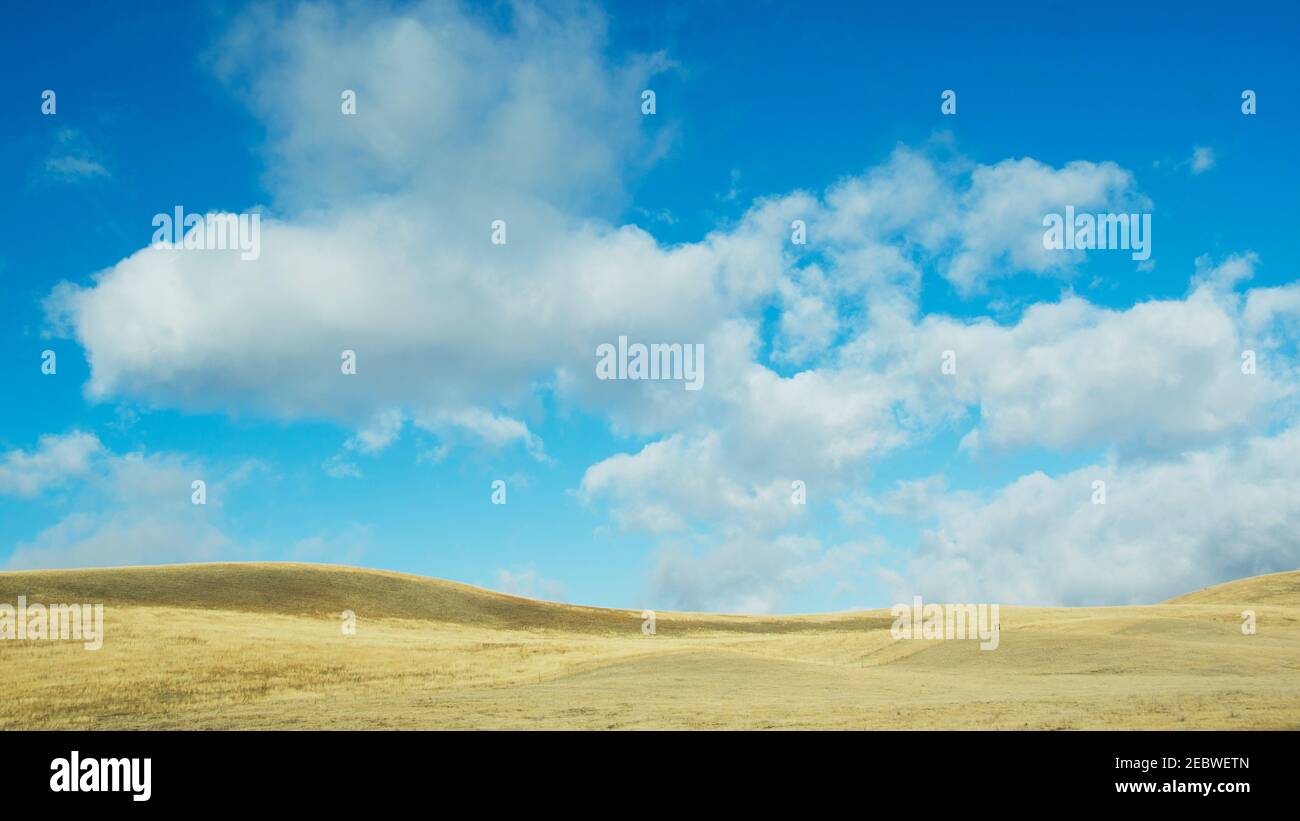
{"points": [[379, 433], [524, 581], [73, 158], [671, 482], [56, 460], [458, 333], [1155, 381], [494, 430], [743, 574], [347, 546], [121, 539], [129, 509], [1166, 528], [1158, 376], [528, 104], [69, 167], [1202, 159], [1000, 222], [338, 467], [531, 125]]}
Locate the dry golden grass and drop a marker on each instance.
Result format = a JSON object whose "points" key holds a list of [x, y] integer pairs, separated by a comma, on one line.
{"points": [[260, 646]]}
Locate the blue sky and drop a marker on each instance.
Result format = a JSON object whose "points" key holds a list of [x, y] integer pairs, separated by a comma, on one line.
{"points": [[476, 361]]}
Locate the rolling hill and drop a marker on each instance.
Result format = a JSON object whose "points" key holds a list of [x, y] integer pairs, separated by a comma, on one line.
{"points": [[262, 646]]}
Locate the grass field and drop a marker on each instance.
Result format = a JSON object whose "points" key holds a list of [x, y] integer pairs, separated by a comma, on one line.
{"points": [[261, 646]]}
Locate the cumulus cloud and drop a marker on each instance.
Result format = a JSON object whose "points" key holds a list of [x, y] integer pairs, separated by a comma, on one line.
{"points": [[129, 509], [394, 261], [1155, 381], [56, 460], [1000, 222], [1160, 375], [672, 482], [390, 256], [1165, 528]]}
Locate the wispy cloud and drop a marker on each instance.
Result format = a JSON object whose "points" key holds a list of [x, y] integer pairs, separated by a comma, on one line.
{"points": [[1202, 159], [74, 159]]}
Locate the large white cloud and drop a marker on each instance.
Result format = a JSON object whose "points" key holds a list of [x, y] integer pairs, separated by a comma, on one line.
{"points": [[378, 239], [1165, 528], [1158, 376], [1153, 382]]}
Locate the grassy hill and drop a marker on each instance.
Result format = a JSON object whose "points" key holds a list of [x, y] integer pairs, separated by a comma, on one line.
{"points": [[327, 590], [1275, 588], [261, 646]]}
